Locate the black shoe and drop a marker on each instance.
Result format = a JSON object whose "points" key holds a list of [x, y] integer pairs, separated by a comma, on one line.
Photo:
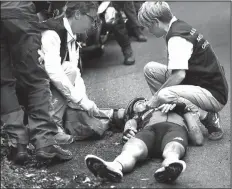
{"points": [[128, 55], [129, 60], [139, 35], [212, 124], [19, 155], [53, 151], [170, 173], [103, 169]]}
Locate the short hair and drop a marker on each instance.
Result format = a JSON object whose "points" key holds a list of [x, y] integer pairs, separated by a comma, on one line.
{"points": [[82, 6], [151, 10]]}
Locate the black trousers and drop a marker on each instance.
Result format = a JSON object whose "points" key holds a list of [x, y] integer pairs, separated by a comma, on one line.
{"points": [[119, 29], [131, 11], [20, 40], [138, 5]]}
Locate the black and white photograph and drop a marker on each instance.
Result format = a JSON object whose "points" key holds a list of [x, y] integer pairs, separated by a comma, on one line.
{"points": [[116, 94]]}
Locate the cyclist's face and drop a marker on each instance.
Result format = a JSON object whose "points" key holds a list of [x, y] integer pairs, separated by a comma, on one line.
{"points": [[139, 106]]}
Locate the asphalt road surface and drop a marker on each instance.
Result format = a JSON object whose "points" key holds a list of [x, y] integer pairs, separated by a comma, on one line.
{"points": [[112, 84]]}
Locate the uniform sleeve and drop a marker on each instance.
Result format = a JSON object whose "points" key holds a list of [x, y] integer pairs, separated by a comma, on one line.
{"points": [[180, 51], [52, 62]]}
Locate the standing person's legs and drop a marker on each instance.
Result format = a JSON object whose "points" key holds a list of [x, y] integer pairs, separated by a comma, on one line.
{"points": [[41, 125], [11, 113], [137, 5], [130, 12], [132, 24], [42, 128], [121, 35]]}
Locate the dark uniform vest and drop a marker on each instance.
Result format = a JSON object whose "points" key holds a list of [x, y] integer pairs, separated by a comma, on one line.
{"points": [[204, 68]]}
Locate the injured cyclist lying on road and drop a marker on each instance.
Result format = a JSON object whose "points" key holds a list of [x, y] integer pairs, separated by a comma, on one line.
{"points": [[150, 133]]}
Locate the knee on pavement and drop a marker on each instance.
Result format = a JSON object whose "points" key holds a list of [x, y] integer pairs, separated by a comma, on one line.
{"points": [[149, 68]]}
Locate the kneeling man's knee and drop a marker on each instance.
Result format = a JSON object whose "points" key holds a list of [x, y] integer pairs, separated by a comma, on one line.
{"points": [[149, 67], [164, 95]]}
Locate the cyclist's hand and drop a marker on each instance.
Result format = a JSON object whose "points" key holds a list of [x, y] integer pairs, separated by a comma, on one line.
{"points": [[165, 108]]}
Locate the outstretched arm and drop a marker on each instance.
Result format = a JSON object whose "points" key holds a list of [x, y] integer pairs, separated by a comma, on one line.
{"points": [[179, 52], [52, 62], [50, 53]]}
